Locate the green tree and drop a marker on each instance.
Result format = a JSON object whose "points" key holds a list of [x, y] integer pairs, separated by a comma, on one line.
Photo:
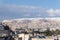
{"points": [[57, 31], [48, 32]]}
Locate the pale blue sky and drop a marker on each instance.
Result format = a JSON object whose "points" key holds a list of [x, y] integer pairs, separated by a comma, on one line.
{"points": [[11, 9]]}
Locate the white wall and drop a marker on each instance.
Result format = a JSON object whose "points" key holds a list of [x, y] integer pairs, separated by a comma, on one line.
{"points": [[41, 39], [24, 36]]}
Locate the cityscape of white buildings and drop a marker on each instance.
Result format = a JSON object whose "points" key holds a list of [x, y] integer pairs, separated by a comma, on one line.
{"points": [[33, 23], [23, 29]]}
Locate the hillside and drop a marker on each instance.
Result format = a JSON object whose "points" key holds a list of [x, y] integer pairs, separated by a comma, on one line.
{"points": [[33, 23]]}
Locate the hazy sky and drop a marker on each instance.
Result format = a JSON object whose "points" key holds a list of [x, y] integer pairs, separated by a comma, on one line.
{"points": [[11, 9]]}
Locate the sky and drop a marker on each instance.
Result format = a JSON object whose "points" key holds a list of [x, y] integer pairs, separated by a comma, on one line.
{"points": [[13, 9]]}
